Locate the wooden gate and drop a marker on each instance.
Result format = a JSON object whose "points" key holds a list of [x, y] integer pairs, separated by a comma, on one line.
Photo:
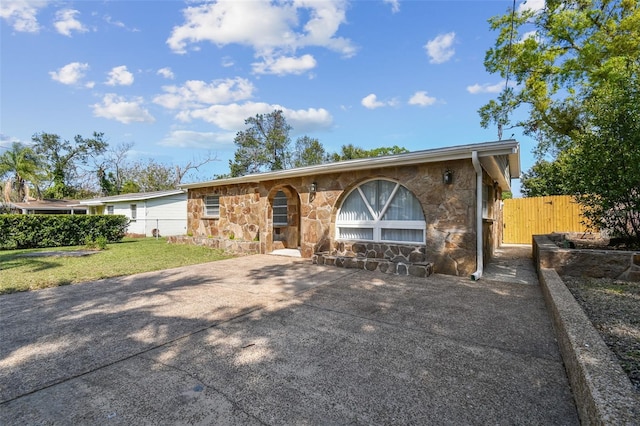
{"points": [[524, 217]]}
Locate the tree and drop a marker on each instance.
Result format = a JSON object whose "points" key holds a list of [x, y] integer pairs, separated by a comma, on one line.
{"points": [[575, 67], [263, 146], [348, 152], [351, 152], [148, 175], [184, 171], [64, 159], [545, 178], [554, 57], [309, 151], [604, 164], [22, 167], [111, 169]]}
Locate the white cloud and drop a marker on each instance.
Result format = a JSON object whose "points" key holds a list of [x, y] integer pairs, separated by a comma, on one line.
{"points": [[196, 93], [531, 5], [6, 140], [21, 14], [70, 74], [422, 99], [232, 116], [371, 102], [485, 88], [119, 76], [285, 65], [66, 22], [193, 139], [529, 34], [114, 107], [109, 20], [395, 5], [268, 27], [166, 73], [440, 49], [227, 62]]}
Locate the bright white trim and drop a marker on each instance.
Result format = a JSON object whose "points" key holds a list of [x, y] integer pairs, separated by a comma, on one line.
{"points": [[376, 225], [479, 249]]}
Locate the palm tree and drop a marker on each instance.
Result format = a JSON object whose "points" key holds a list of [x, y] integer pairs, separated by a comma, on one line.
{"points": [[22, 166]]}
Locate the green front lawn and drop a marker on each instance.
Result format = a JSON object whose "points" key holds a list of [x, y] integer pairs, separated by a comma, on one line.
{"points": [[131, 256]]}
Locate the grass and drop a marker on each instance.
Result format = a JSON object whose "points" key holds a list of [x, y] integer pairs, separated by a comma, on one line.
{"points": [[131, 256]]}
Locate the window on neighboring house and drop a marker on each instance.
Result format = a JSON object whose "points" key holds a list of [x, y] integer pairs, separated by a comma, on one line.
{"points": [[381, 211], [134, 212], [280, 215], [109, 209], [212, 205]]}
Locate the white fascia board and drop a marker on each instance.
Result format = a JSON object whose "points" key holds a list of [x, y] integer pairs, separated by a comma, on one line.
{"points": [[131, 197], [508, 147]]}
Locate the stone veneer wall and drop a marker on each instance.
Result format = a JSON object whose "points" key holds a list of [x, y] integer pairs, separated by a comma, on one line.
{"points": [[396, 259], [232, 246], [245, 211]]}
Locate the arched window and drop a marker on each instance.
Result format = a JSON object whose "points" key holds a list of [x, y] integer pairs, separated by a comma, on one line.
{"points": [[381, 211]]}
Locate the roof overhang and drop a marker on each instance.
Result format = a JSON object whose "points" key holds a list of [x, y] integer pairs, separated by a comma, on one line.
{"points": [[486, 150], [138, 196]]}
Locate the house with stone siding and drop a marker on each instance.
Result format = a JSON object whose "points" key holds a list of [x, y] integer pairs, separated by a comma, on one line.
{"points": [[436, 210]]}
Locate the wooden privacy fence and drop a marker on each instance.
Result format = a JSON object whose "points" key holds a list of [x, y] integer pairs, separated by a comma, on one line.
{"points": [[524, 217]]}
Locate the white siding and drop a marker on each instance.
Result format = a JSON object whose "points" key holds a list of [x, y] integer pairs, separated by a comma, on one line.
{"points": [[124, 208], [168, 214]]}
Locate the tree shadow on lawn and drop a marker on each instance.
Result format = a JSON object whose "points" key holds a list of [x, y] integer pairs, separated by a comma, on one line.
{"points": [[282, 343], [17, 260]]}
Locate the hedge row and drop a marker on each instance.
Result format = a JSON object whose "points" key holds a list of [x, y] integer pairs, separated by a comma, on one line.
{"points": [[43, 230]]}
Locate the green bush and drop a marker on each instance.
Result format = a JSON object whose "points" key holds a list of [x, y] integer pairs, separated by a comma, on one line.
{"points": [[37, 230]]}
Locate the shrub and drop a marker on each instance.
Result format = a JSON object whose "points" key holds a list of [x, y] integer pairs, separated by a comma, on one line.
{"points": [[33, 231]]}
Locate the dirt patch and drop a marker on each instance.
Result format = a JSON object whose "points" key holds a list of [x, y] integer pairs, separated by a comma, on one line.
{"points": [[613, 306], [589, 241]]}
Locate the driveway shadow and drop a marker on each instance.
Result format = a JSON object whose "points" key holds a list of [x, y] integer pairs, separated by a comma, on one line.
{"points": [[270, 340]]}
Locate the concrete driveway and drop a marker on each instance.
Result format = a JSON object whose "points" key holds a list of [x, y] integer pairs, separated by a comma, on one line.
{"points": [[275, 340]]}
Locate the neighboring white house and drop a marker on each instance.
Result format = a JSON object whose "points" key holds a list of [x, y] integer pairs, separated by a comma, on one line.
{"points": [[164, 211]]}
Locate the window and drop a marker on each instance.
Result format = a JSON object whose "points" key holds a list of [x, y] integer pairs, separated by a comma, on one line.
{"points": [[485, 202], [109, 209], [381, 211], [134, 212], [280, 215], [212, 205]]}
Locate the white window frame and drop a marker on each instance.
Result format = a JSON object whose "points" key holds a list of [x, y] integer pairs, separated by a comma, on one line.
{"points": [[133, 211], [377, 224], [211, 206], [110, 209]]}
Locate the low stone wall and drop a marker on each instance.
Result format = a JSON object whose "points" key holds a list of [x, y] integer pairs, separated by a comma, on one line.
{"points": [[386, 258], [616, 264], [231, 246]]}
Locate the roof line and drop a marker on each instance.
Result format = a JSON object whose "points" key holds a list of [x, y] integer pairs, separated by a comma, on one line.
{"points": [[504, 147]]}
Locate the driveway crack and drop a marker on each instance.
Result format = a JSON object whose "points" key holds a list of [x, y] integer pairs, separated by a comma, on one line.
{"points": [[195, 377]]}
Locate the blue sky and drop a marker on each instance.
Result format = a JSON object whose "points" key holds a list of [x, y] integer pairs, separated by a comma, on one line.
{"points": [[178, 78]]}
